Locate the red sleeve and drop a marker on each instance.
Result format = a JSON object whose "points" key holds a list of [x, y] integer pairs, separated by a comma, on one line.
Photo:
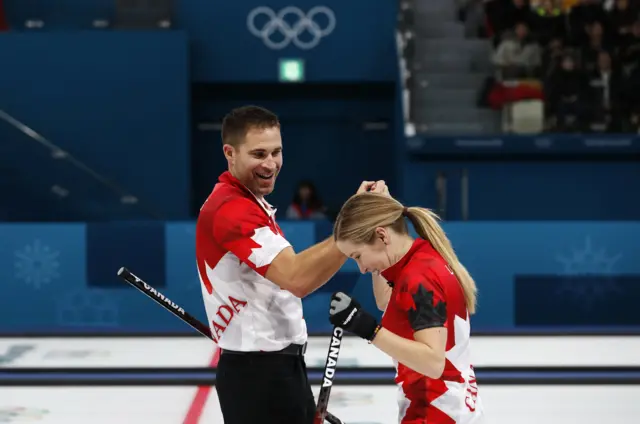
{"points": [[421, 296], [244, 229]]}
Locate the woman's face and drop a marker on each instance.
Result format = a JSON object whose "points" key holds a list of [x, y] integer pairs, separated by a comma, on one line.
{"points": [[371, 258], [567, 64], [305, 193]]}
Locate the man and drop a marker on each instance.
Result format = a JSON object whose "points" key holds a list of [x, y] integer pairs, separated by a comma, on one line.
{"points": [[253, 281]]}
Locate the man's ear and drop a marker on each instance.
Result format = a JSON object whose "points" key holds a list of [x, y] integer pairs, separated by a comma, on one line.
{"points": [[228, 151]]}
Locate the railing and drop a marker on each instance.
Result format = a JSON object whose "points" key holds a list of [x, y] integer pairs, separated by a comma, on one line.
{"points": [[47, 183], [403, 37], [34, 15]]}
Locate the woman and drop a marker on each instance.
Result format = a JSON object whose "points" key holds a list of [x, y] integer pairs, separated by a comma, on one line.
{"points": [[425, 327], [306, 203]]}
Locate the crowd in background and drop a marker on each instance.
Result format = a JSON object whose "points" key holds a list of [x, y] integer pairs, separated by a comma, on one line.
{"points": [[585, 53]]}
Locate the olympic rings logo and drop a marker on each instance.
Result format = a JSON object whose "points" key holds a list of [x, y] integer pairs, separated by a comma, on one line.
{"points": [[291, 33]]}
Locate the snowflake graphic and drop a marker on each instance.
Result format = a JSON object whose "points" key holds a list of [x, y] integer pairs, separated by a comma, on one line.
{"points": [[36, 264], [588, 262], [87, 308], [21, 414]]}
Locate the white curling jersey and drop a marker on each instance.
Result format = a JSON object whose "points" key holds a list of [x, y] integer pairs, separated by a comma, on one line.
{"points": [[236, 239]]}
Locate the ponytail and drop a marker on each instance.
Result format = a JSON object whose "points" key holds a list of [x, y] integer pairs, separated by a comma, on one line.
{"points": [[426, 225]]}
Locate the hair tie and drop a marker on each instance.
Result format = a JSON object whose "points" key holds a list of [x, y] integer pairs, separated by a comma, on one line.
{"points": [[405, 211]]}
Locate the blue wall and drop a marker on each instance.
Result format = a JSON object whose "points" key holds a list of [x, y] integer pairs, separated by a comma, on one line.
{"points": [[216, 47], [118, 101], [324, 140], [224, 49], [521, 178], [530, 275], [523, 190]]}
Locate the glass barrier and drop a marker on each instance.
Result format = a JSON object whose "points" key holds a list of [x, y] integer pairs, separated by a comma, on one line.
{"points": [[40, 181]]}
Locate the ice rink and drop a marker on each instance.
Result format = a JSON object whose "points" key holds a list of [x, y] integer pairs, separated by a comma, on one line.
{"points": [[354, 404], [524, 380]]}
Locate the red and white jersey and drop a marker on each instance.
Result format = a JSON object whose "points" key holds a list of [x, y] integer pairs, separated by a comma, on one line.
{"points": [[426, 294], [236, 239]]}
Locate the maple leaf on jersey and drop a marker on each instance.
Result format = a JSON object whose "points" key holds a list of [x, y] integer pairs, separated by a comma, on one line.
{"points": [[424, 314], [269, 245]]}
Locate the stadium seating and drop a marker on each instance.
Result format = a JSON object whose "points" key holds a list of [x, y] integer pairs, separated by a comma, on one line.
{"points": [[580, 58]]}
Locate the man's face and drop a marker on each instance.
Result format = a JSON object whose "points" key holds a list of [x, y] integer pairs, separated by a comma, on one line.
{"points": [[596, 30], [257, 161], [521, 31]]}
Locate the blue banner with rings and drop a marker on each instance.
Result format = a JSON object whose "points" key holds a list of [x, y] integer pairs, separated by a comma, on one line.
{"points": [[531, 276], [245, 41]]}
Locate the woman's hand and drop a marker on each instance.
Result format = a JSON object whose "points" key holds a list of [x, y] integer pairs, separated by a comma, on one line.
{"points": [[374, 187]]}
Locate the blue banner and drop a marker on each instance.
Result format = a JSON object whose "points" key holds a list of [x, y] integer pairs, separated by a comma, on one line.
{"points": [[497, 254], [599, 299], [62, 278], [245, 41]]}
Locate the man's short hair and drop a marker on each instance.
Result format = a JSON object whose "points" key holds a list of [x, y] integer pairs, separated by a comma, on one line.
{"points": [[240, 121]]}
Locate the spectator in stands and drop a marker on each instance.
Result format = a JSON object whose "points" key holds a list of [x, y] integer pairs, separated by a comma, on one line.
{"points": [[595, 44], [629, 47], [548, 21], [493, 19], [604, 95], [635, 122], [306, 203], [621, 18], [581, 16], [519, 11], [630, 58], [562, 94], [568, 4], [518, 55], [503, 15], [472, 14], [553, 55], [633, 98]]}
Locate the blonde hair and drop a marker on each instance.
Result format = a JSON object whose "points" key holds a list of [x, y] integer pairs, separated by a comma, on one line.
{"points": [[363, 213]]}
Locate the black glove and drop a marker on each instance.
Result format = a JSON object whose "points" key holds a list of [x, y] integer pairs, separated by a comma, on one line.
{"points": [[347, 313]]}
